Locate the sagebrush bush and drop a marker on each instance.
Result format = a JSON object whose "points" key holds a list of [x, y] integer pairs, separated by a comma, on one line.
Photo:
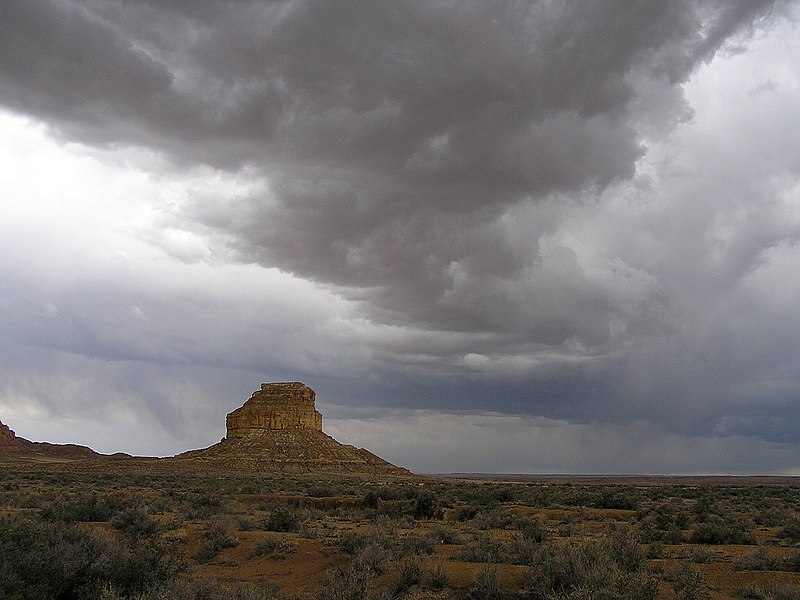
{"points": [[84, 507], [41, 560], [532, 529], [436, 578], [283, 520], [770, 592], [486, 585], [135, 522], [273, 545], [347, 584], [717, 530], [216, 538], [482, 549], [791, 531], [409, 573], [591, 570], [442, 534], [417, 545], [426, 506], [690, 584]]}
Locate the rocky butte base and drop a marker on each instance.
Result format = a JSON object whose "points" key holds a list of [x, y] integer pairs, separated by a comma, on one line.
{"points": [[7, 437], [279, 430]]}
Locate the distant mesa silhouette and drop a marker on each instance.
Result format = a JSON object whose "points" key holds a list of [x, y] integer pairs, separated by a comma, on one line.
{"points": [[277, 430], [11, 444]]}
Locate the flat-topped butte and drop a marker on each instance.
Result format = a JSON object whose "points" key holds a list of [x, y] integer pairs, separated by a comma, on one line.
{"points": [[276, 406]]}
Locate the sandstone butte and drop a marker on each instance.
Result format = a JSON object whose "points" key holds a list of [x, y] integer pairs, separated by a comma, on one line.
{"points": [[278, 430]]}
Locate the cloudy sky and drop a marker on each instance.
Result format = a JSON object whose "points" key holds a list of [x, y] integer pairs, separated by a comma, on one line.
{"points": [[513, 236]]}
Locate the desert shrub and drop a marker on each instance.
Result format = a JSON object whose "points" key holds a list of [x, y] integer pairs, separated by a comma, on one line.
{"points": [[371, 499], [465, 513], [656, 550], [216, 538], [370, 561], [354, 542], [201, 505], [625, 550], [348, 584], [717, 529], [442, 535], [532, 530], [134, 522], [436, 577], [45, 560], [663, 523], [772, 516], [481, 549], [494, 518], [615, 498], [588, 569], [83, 507], [771, 592], [791, 531], [701, 555], [486, 585], [273, 545], [760, 560], [417, 545], [523, 551], [426, 506], [322, 490], [191, 589], [690, 584], [409, 573], [282, 520], [704, 507]]}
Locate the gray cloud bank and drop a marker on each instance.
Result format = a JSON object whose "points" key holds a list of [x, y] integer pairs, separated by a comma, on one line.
{"points": [[512, 207]]}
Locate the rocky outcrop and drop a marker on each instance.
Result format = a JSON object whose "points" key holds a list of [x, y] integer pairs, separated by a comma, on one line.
{"points": [[275, 406], [279, 430], [8, 438]]}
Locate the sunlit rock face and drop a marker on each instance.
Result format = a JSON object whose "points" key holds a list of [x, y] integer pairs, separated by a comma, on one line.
{"points": [[275, 406]]}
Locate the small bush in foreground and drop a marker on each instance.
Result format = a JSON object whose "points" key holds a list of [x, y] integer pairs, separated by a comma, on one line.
{"points": [[282, 520], [690, 584], [216, 539], [41, 560], [436, 577], [592, 570], [486, 585]]}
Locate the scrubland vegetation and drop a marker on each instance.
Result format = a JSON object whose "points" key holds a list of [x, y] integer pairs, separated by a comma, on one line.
{"points": [[207, 537]]}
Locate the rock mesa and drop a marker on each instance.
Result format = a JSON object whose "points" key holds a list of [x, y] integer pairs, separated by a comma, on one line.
{"points": [[280, 430]]}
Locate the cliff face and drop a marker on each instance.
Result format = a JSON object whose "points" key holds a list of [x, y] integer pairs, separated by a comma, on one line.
{"points": [[275, 406]]}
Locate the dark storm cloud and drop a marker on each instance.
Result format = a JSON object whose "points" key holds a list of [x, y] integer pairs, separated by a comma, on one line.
{"points": [[469, 174]]}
